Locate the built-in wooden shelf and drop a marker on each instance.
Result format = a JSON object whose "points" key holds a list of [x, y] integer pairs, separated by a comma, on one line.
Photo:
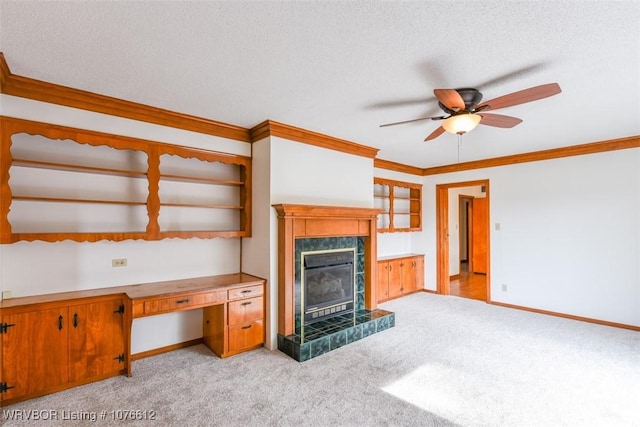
{"points": [[77, 169], [400, 204]]}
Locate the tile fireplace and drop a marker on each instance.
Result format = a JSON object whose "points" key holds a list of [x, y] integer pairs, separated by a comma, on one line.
{"points": [[326, 270]]}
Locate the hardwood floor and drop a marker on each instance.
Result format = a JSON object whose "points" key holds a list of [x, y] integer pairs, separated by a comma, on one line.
{"points": [[469, 285]]}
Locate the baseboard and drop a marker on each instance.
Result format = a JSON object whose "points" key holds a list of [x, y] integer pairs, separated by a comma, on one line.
{"points": [[454, 277], [429, 291], [166, 349], [567, 316]]}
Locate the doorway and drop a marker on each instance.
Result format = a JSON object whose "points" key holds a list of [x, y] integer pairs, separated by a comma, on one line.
{"points": [[462, 239]]}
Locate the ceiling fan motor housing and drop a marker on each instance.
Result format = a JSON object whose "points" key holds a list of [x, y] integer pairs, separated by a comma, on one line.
{"points": [[471, 98]]}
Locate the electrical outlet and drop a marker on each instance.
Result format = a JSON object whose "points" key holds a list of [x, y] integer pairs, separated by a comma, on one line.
{"points": [[7, 294], [504, 287], [119, 262]]}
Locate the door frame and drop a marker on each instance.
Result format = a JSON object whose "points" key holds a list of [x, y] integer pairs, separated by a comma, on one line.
{"points": [[442, 234]]}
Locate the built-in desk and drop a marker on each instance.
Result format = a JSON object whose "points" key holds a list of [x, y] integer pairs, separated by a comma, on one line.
{"points": [[233, 308], [56, 341]]}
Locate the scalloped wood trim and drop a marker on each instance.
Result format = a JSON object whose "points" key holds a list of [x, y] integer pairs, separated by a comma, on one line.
{"points": [[38, 90], [272, 128], [153, 149]]}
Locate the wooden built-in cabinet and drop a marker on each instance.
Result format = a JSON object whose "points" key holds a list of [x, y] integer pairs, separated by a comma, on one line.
{"points": [[51, 346], [399, 276], [400, 205], [56, 341], [237, 326], [96, 186]]}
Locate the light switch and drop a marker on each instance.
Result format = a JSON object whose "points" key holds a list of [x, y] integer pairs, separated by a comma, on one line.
{"points": [[497, 226]]}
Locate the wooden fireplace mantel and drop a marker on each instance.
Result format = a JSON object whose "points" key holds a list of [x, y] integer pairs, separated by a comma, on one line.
{"points": [[308, 221]]}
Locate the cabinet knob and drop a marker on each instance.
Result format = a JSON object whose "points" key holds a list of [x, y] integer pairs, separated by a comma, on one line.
{"points": [[60, 320], [75, 320]]}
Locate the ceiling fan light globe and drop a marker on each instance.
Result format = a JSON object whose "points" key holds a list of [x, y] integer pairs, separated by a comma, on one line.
{"points": [[461, 123]]}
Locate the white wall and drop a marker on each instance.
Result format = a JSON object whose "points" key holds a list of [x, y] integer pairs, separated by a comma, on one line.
{"points": [[569, 240], [31, 268], [299, 174], [259, 251]]}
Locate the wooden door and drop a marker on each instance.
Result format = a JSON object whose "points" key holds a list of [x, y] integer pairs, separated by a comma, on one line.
{"points": [[395, 278], [383, 281], [96, 339], [480, 235], [34, 351]]}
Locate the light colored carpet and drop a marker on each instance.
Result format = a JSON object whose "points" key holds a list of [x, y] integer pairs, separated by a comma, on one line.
{"points": [[448, 361]]}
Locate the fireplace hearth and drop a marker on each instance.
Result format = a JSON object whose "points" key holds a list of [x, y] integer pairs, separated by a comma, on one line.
{"points": [[340, 319], [336, 264]]}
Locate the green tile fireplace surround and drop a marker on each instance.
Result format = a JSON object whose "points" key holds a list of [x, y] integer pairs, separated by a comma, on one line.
{"points": [[317, 338]]}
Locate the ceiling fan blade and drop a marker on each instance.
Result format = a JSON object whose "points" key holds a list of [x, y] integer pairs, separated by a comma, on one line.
{"points": [[499, 120], [516, 74], [436, 133], [520, 97], [450, 98], [402, 103], [413, 120]]}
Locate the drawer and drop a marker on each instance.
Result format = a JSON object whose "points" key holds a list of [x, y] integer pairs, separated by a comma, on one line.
{"points": [[183, 302], [245, 310], [246, 292], [246, 335]]}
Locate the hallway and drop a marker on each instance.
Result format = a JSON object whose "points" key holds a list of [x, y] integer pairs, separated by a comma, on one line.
{"points": [[467, 285]]}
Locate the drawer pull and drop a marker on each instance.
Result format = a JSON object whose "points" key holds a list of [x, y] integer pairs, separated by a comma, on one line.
{"points": [[75, 320], [247, 327], [246, 291], [182, 301], [246, 303]]}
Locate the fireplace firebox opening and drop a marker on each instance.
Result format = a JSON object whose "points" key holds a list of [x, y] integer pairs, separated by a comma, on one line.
{"points": [[328, 283]]}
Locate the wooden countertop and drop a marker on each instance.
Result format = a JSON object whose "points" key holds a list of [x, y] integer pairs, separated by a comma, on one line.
{"points": [[143, 290], [388, 257]]}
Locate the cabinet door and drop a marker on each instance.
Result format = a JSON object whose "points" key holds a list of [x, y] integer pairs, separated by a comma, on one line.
{"points": [[395, 278], [34, 351], [96, 339], [383, 281], [408, 275], [419, 273]]}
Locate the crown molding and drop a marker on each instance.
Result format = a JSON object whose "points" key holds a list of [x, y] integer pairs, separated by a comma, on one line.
{"points": [[534, 156], [273, 128], [38, 90], [397, 167], [24, 87]]}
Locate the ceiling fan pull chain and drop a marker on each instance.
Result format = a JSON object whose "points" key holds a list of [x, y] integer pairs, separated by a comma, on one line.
{"points": [[459, 142]]}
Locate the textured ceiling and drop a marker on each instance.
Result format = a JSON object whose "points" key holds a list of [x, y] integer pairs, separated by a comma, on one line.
{"points": [[344, 68]]}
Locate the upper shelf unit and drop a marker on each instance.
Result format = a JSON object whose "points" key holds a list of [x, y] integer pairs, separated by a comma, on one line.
{"points": [[400, 205], [62, 183]]}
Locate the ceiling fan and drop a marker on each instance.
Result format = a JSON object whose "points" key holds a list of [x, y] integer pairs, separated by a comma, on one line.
{"points": [[464, 110]]}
